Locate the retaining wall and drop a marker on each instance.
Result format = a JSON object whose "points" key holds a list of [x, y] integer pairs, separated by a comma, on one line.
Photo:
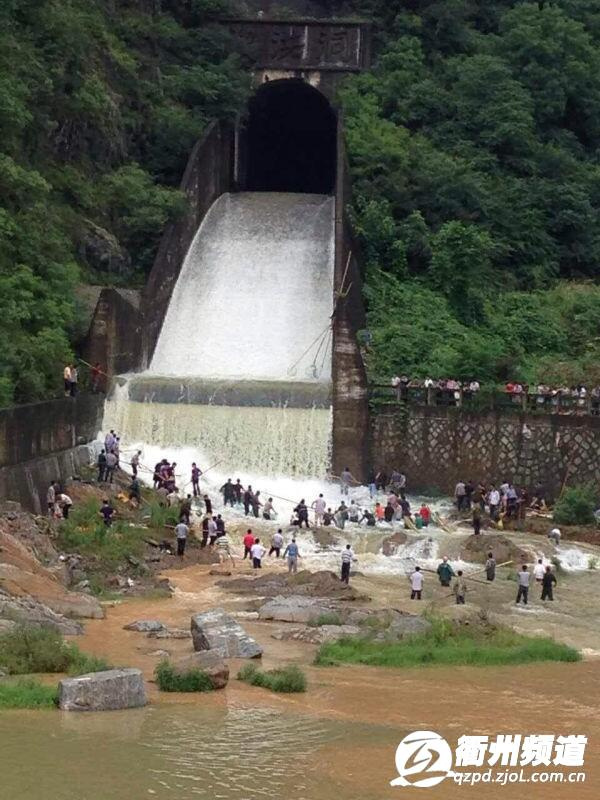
{"points": [[436, 447]]}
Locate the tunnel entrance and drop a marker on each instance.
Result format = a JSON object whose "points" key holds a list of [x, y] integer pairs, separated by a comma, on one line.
{"points": [[290, 140]]}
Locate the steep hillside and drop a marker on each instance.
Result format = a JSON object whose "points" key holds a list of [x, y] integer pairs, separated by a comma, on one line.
{"points": [[100, 104]]}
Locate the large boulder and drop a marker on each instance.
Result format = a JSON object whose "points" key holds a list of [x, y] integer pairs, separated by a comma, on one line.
{"points": [[294, 608], [218, 631], [208, 661], [145, 626], [476, 548], [46, 589], [103, 691], [312, 584], [26, 611], [317, 635]]}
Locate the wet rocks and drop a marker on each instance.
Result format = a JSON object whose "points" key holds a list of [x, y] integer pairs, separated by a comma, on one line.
{"points": [[294, 608], [390, 545], [210, 662], [27, 611], [145, 626], [218, 631], [476, 548], [103, 691], [170, 633], [324, 584], [317, 635], [7, 625]]}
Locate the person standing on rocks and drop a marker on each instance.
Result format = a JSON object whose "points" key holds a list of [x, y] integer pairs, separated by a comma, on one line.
{"points": [[185, 509], [268, 510], [107, 513], [460, 495], [101, 463], [111, 465], [135, 463], [257, 551], [248, 541], [64, 503], [494, 503], [276, 543], [539, 571], [292, 554], [248, 496], [319, 505], [302, 511], [490, 567], [555, 536], [445, 572], [224, 549], [228, 493], [346, 478], [476, 520], [425, 514], [238, 490], [213, 530], [74, 381], [181, 534], [523, 578], [460, 588], [347, 559], [51, 499], [67, 379], [196, 473], [547, 581], [416, 584]]}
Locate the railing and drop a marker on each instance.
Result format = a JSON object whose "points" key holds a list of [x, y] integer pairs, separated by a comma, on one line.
{"points": [[486, 399]]}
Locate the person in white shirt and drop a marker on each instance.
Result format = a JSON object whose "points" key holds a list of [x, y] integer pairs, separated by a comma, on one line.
{"points": [[416, 584], [554, 536], [181, 534], [257, 552], [67, 379], [213, 530], [319, 505], [64, 503], [276, 543], [268, 511], [494, 502], [51, 499], [347, 559], [223, 546], [538, 571], [523, 578]]}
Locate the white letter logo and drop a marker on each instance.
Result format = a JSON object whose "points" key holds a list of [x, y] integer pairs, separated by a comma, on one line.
{"points": [[422, 752]]}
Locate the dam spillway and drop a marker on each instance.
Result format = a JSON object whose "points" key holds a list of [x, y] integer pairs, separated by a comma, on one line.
{"points": [[241, 372], [255, 290]]}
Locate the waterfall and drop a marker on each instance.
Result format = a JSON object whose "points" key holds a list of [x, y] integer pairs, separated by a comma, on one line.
{"points": [[241, 372], [254, 292]]}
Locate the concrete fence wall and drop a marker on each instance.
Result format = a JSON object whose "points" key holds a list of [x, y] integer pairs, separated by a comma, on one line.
{"points": [[42, 442], [438, 446]]}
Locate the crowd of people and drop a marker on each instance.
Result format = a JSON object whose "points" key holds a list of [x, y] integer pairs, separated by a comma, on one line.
{"points": [[502, 501], [577, 397], [542, 575]]}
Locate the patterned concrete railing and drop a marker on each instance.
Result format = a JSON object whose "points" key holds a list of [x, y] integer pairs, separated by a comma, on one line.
{"points": [[485, 400]]}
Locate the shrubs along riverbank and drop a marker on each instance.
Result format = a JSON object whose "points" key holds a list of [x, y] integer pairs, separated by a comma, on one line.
{"points": [[447, 644]]}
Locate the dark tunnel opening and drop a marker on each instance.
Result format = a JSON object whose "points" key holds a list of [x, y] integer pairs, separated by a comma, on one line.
{"points": [[291, 140]]}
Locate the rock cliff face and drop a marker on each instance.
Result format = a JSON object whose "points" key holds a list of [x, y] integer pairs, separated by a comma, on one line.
{"points": [[33, 578]]}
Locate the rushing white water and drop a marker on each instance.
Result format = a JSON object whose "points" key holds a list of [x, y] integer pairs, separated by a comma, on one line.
{"points": [[254, 292], [253, 440]]}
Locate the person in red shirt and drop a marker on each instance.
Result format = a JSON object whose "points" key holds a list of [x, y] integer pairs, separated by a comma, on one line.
{"points": [[248, 542], [425, 514]]}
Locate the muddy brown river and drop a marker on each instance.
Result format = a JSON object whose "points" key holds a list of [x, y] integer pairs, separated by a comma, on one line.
{"points": [[336, 742]]}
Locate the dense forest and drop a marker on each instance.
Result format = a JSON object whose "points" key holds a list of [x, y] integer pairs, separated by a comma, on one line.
{"points": [[473, 144], [100, 103], [474, 148]]}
